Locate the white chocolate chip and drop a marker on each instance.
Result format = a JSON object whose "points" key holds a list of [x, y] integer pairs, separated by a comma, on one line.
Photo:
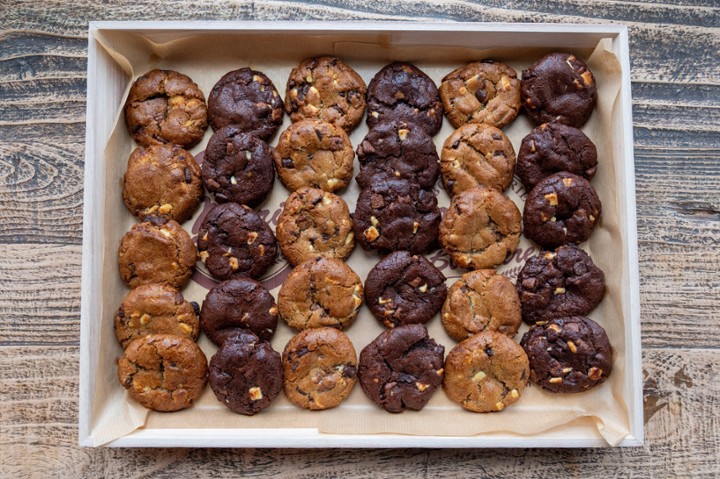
{"points": [[572, 346], [255, 393], [423, 288], [567, 182], [233, 261], [144, 319], [371, 234], [555, 380], [233, 181], [514, 394], [273, 311], [421, 386], [403, 133], [552, 199], [373, 221], [252, 236], [382, 300], [479, 376], [416, 225], [204, 255], [559, 291]]}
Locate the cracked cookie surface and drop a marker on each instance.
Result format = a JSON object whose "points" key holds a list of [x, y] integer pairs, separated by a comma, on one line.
{"points": [[481, 228], [320, 368], [163, 372], [401, 368], [320, 292], [164, 106], [568, 355], [481, 92], [486, 373], [404, 289], [246, 374]]}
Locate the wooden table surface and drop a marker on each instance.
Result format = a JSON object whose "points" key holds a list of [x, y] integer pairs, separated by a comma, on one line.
{"points": [[675, 55]]}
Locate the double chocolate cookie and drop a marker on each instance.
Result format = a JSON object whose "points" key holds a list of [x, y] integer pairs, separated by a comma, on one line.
{"points": [[562, 208], [235, 305], [153, 253], [486, 373], [396, 214], [556, 284], [554, 147], [401, 91], [477, 155], [320, 368], [247, 99], [481, 228], [315, 154], [401, 368], [325, 88], [397, 150], [481, 92], [233, 241], [246, 374], [559, 87], [238, 167], [568, 355], [165, 106], [163, 372], [404, 289]]}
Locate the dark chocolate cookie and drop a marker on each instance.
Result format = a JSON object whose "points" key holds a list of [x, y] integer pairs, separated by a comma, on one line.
{"points": [[568, 355], [248, 99], [397, 149], [165, 106], [246, 374], [394, 215], [559, 87], [401, 368], [325, 88], [404, 289], [556, 284], [234, 241], [481, 92], [238, 167], [554, 147], [562, 208], [401, 91], [238, 304]]}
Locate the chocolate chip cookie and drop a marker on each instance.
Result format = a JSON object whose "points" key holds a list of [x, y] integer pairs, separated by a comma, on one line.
{"points": [[235, 305], [234, 241], [153, 253], [486, 373], [320, 292], [481, 228], [247, 99], [568, 355], [163, 372], [320, 368], [401, 91], [481, 92], [238, 167], [562, 208], [401, 368], [477, 154], [315, 223], [155, 309], [562, 283], [397, 149], [554, 147], [162, 181], [246, 374], [404, 289], [559, 87], [396, 214], [325, 88], [165, 106], [481, 300], [316, 154]]}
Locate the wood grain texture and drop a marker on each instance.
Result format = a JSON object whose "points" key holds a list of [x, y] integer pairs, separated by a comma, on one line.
{"points": [[675, 58]]}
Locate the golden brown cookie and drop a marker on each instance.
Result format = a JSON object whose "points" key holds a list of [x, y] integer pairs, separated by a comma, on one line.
{"points": [[477, 154], [315, 223], [155, 309], [481, 228], [316, 154], [163, 372], [486, 373], [481, 92], [481, 300], [162, 181], [151, 253], [325, 88], [320, 368], [320, 292]]}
